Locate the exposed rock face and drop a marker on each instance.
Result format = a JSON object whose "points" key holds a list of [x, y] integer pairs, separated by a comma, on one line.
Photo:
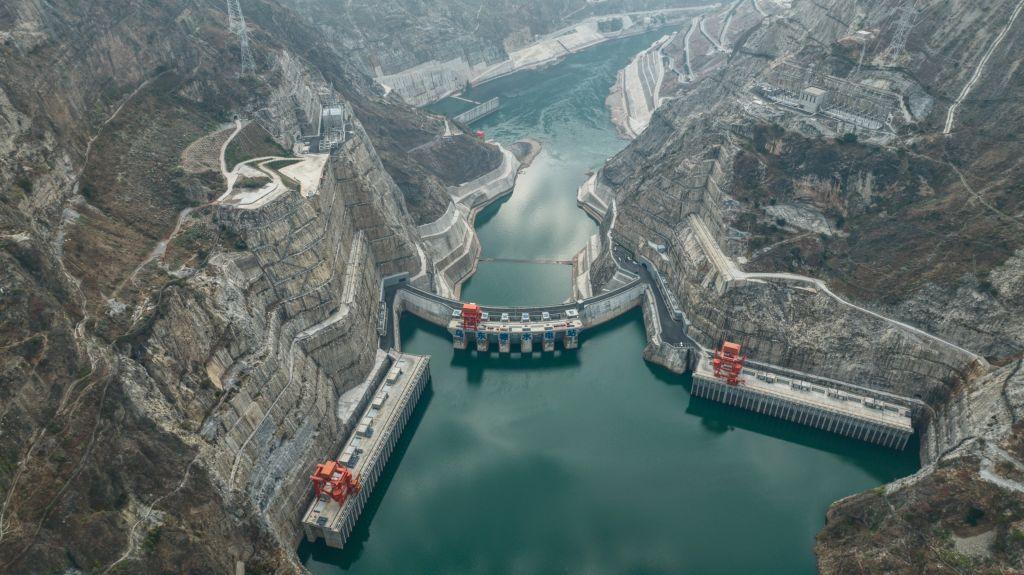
{"points": [[169, 367], [397, 34], [707, 156], [424, 52], [734, 197], [377, 206], [971, 490], [159, 411]]}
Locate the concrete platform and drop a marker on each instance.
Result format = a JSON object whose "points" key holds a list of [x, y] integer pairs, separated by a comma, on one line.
{"points": [[369, 448], [825, 408]]}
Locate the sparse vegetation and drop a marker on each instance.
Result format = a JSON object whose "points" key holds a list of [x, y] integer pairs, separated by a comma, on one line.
{"points": [[866, 532], [25, 184], [150, 541], [254, 182], [277, 165], [252, 142]]}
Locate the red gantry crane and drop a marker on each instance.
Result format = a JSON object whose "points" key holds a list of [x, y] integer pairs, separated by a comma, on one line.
{"points": [[334, 480], [729, 363], [470, 316]]}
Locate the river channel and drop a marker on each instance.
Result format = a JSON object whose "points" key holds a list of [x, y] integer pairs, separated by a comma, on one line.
{"points": [[591, 461]]}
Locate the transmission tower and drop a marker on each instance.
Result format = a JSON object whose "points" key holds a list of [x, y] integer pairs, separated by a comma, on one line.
{"points": [[899, 39], [236, 24]]}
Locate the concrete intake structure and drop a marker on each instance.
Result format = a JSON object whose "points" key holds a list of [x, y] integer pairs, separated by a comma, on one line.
{"points": [[369, 448], [825, 408], [523, 330]]}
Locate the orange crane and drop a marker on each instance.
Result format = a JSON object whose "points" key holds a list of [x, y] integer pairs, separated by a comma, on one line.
{"points": [[470, 316], [334, 480], [728, 362]]}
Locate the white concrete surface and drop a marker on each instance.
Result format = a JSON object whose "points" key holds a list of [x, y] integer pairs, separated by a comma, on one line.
{"points": [[639, 88], [307, 172], [394, 399], [828, 399], [492, 184]]}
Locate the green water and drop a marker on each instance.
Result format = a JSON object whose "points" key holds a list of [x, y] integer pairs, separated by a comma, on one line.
{"points": [[592, 461]]}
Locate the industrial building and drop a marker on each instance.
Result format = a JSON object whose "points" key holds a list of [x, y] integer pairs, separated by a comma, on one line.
{"points": [[811, 99]]}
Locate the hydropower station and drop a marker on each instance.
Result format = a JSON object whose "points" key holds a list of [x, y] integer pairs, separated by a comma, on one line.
{"points": [[484, 335]]}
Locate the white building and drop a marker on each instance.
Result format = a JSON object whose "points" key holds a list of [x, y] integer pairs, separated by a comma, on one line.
{"points": [[811, 99]]}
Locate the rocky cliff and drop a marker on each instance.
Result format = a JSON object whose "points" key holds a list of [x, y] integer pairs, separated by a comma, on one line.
{"points": [[843, 204], [963, 512], [171, 363], [395, 35], [867, 210]]}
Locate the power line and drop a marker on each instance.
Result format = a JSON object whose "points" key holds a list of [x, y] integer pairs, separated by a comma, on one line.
{"points": [[236, 24], [899, 39]]}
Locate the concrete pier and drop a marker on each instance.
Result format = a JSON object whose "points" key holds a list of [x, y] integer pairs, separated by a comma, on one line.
{"points": [[829, 409], [367, 451], [504, 341], [477, 112], [526, 342]]}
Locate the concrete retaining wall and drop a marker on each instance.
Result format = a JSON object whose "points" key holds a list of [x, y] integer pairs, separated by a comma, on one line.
{"points": [[422, 307], [596, 313], [453, 245], [474, 114], [675, 358], [442, 224], [485, 189]]}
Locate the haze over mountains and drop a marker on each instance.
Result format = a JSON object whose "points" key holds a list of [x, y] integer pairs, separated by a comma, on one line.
{"points": [[159, 386]]}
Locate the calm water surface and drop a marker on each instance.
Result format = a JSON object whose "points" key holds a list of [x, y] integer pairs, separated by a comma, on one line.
{"points": [[594, 461]]}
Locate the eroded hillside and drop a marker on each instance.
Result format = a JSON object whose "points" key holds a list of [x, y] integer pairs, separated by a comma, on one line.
{"points": [[848, 205], [165, 345]]}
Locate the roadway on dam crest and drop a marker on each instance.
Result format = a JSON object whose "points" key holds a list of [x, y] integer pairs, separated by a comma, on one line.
{"points": [[673, 329]]}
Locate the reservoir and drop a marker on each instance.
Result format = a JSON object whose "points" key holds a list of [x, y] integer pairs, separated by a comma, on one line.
{"points": [[590, 461]]}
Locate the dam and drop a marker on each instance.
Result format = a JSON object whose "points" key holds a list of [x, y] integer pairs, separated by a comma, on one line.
{"points": [[833, 406], [530, 462], [515, 324]]}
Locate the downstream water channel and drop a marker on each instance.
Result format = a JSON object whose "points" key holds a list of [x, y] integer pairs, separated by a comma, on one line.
{"points": [[591, 461]]}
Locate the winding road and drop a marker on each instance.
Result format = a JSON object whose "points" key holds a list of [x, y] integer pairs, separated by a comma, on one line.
{"points": [[979, 69]]}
